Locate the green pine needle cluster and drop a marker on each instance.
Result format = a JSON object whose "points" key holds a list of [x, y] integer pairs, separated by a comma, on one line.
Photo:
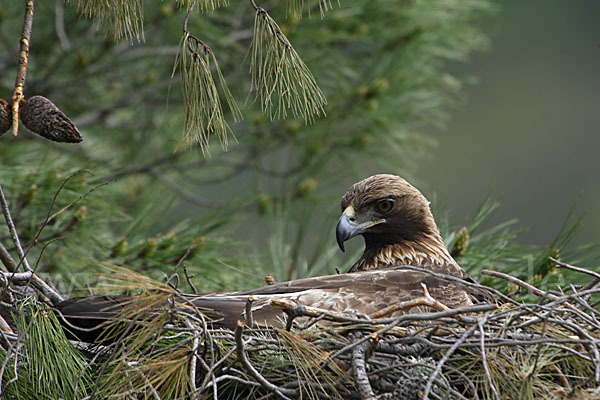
{"points": [[203, 5], [44, 364], [283, 83], [124, 19], [203, 111], [298, 8]]}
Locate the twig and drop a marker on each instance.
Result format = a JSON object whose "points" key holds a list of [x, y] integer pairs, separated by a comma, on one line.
{"points": [[194, 356], [445, 358], [50, 216], [181, 259], [231, 378], [359, 371], [22, 65], [15, 350], [518, 282], [211, 371], [45, 246], [37, 282], [541, 293], [256, 8], [7, 259], [274, 31], [188, 37], [239, 342], [187, 16], [539, 350], [13, 230], [16, 276], [484, 357], [188, 278], [561, 264], [248, 312], [78, 199], [149, 385]]}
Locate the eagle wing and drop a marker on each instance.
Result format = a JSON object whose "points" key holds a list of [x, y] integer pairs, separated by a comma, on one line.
{"points": [[354, 293], [359, 293]]}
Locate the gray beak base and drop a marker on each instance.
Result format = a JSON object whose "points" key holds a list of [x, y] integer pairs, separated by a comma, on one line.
{"points": [[348, 227], [345, 230]]}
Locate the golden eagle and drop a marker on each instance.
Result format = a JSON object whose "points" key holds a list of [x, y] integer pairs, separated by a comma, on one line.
{"points": [[403, 252]]}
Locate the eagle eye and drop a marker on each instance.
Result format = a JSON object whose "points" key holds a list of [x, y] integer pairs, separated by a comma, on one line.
{"points": [[385, 206]]}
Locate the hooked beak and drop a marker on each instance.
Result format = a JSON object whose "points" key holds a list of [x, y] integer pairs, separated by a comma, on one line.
{"points": [[348, 226]]}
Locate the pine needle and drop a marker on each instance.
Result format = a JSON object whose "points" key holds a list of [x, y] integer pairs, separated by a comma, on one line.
{"points": [[306, 359], [297, 8], [123, 18], [49, 366], [203, 111], [204, 5], [279, 76], [144, 355]]}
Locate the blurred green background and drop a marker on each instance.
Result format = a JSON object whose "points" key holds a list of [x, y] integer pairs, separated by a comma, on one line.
{"points": [[527, 132]]}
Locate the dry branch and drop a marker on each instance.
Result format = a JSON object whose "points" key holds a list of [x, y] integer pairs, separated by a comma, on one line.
{"points": [[22, 65], [561, 264], [359, 355], [36, 281], [518, 282]]}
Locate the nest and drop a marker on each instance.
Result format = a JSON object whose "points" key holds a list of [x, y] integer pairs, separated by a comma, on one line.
{"points": [[161, 348]]}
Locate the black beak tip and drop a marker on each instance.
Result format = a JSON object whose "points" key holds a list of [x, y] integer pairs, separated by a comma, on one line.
{"points": [[340, 243], [341, 232]]}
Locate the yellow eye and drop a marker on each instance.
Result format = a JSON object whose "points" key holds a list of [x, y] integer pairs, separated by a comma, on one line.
{"points": [[385, 206]]}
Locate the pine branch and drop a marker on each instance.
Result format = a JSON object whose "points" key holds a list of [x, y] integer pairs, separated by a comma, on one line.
{"points": [[359, 356], [123, 18], [279, 76], [39, 284], [22, 65], [202, 103]]}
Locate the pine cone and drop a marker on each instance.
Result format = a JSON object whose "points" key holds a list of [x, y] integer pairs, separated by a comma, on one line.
{"points": [[41, 116], [461, 242], [5, 117]]}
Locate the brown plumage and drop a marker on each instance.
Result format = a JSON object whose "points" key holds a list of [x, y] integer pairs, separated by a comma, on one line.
{"points": [[399, 231]]}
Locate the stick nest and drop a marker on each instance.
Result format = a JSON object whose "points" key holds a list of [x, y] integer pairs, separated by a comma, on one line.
{"points": [[548, 348]]}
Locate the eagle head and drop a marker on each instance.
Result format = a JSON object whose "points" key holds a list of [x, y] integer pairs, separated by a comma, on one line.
{"points": [[385, 210]]}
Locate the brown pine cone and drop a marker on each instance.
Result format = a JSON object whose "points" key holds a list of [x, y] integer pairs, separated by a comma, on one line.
{"points": [[41, 116], [5, 117]]}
